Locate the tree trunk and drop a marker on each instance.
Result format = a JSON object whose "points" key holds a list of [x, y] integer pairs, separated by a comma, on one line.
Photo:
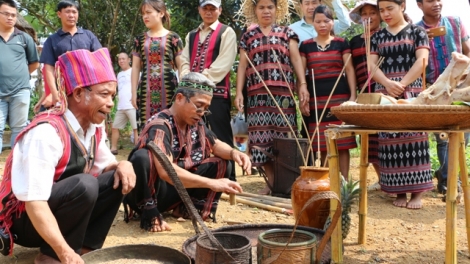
{"points": [[113, 25]]}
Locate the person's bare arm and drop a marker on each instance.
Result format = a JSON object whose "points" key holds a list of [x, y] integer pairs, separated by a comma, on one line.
{"points": [[33, 66], [51, 82], [417, 69], [124, 174], [466, 48], [241, 76], [46, 225], [135, 79], [299, 68], [224, 151], [184, 67], [351, 76]]}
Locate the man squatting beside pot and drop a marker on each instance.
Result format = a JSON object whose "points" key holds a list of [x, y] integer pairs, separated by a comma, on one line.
{"points": [[200, 160], [62, 187]]}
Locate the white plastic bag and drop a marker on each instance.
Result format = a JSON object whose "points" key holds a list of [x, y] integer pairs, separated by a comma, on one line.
{"points": [[239, 126]]}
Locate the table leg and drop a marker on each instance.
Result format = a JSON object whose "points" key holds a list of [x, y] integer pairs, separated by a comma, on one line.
{"points": [[363, 185], [335, 185], [451, 199], [465, 185]]}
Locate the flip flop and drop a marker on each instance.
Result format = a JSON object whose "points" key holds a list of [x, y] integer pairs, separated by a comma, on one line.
{"points": [[114, 152]]}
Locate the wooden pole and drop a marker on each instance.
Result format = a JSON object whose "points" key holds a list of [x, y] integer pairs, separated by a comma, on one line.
{"points": [[424, 74], [465, 185], [233, 199], [260, 205], [364, 164], [451, 199], [268, 202], [266, 197], [335, 185]]}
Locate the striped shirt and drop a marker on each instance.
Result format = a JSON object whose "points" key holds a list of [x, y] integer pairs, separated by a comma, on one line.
{"points": [[441, 47]]}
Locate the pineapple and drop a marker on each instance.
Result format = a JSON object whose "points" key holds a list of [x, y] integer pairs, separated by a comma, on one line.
{"points": [[349, 193]]}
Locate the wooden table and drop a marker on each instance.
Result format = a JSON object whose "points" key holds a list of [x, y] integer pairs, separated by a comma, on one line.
{"points": [[456, 161]]}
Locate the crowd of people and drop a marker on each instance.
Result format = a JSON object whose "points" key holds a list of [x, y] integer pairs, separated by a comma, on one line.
{"points": [[62, 185]]}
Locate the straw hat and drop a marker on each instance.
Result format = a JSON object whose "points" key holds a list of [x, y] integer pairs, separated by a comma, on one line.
{"points": [[355, 14], [247, 11]]}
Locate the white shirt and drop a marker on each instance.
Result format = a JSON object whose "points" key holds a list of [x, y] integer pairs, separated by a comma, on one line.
{"points": [[124, 90], [38, 152]]}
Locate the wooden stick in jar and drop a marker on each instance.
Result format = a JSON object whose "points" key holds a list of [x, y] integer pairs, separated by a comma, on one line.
{"points": [[424, 74]]}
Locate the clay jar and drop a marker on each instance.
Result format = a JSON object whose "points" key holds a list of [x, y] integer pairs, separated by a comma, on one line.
{"points": [[311, 181]]}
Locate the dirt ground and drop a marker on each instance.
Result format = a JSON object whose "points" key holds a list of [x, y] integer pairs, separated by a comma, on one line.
{"points": [[394, 235]]}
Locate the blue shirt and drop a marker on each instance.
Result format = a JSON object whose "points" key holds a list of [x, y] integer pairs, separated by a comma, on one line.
{"points": [[307, 31], [17, 53], [61, 42]]}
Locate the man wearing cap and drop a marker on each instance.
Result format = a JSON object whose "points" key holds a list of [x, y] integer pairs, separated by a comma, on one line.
{"points": [[198, 157], [454, 38], [304, 28], [62, 186], [211, 50]]}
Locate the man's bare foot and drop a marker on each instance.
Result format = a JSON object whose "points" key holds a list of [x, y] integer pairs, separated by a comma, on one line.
{"points": [[401, 200], [265, 191], [415, 201], [159, 227]]}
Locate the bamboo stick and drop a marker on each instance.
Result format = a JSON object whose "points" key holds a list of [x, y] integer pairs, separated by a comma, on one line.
{"points": [[381, 60], [465, 185], [424, 74], [317, 124], [451, 196], [364, 164], [335, 185], [266, 197], [327, 101], [268, 202], [277, 105], [260, 205], [233, 199]]}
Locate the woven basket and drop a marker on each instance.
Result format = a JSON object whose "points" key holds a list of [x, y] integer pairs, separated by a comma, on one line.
{"points": [[439, 117]]}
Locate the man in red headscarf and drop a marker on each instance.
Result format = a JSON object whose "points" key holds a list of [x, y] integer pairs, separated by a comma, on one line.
{"points": [[62, 186]]}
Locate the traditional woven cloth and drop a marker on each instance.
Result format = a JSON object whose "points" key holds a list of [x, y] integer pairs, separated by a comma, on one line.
{"points": [[82, 68]]}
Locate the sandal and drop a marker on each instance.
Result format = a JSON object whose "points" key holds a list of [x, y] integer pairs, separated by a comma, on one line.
{"points": [[114, 152]]}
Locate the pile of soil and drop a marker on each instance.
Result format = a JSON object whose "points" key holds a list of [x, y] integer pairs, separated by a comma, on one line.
{"points": [[394, 235]]}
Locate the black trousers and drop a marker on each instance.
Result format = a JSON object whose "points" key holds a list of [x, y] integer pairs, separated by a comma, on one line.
{"points": [[166, 197], [219, 123], [84, 207]]}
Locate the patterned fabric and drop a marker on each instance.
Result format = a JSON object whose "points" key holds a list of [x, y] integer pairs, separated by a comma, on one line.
{"points": [[188, 149], [443, 46], [265, 121], [403, 157], [359, 60], [327, 66], [158, 80], [10, 206], [197, 86], [399, 52], [82, 68], [203, 54], [404, 162]]}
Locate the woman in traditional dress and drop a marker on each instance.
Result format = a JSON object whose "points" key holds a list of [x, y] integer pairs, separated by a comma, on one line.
{"points": [[267, 44], [403, 157], [326, 55], [158, 52], [367, 12]]}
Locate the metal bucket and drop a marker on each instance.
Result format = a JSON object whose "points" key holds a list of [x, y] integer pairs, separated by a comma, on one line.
{"points": [[272, 247], [238, 246], [136, 253]]}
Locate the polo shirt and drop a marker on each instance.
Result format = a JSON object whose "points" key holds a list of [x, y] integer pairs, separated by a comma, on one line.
{"points": [[17, 53], [61, 42]]}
